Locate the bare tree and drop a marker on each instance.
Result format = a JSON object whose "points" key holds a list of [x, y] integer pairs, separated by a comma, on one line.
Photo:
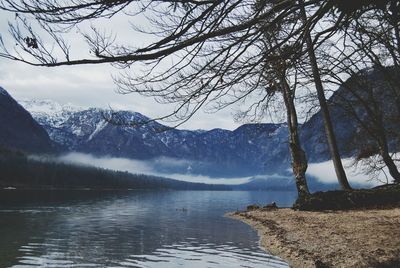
{"points": [[370, 56], [206, 53], [340, 173], [280, 70], [372, 109], [298, 156]]}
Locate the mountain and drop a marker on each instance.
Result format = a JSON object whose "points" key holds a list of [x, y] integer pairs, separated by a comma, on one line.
{"points": [[313, 137], [248, 150], [371, 90], [27, 172], [18, 129]]}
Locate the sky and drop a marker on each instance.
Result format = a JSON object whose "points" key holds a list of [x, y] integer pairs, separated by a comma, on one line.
{"points": [[92, 85]]}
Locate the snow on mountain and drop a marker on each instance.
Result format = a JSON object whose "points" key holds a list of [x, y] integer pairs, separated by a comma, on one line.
{"points": [[49, 112], [100, 126], [248, 150], [47, 106], [242, 151]]}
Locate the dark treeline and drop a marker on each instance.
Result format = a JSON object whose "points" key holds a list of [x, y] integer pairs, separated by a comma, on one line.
{"points": [[17, 170]]}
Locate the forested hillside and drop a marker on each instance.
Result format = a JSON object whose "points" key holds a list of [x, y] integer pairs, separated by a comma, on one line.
{"points": [[19, 171]]}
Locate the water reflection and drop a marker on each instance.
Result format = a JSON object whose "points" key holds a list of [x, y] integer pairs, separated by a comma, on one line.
{"points": [[125, 229]]}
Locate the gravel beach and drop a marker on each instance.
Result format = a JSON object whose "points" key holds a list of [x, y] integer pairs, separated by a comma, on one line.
{"points": [[355, 238]]}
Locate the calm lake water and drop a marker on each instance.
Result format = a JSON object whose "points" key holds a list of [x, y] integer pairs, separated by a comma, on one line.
{"points": [[131, 229]]}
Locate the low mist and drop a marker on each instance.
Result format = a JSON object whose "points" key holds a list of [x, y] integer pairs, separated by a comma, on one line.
{"points": [[181, 169], [148, 167], [325, 173]]}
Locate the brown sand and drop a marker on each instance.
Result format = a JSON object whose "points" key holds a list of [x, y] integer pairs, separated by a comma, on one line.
{"points": [[362, 238]]}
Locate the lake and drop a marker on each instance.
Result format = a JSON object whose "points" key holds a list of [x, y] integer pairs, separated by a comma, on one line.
{"points": [[131, 229]]}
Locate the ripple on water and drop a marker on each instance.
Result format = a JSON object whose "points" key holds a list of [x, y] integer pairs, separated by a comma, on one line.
{"points": [[185, 254], [135, 230], [207, 255]]}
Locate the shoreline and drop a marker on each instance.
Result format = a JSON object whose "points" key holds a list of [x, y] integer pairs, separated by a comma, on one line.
{"points": [[355, 238]]}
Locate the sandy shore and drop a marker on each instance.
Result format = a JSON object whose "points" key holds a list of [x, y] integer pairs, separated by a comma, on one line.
{"points": [[362, 238]]}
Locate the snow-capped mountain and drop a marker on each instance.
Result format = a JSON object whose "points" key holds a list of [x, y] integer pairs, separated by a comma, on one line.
{"points": [[248, 150], [49, 112], [243, 151]]}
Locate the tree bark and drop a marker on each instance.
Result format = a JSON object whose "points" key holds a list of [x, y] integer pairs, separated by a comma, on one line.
{"points": [[298, 156], [387, 159], [393, 171], [330, 135]]}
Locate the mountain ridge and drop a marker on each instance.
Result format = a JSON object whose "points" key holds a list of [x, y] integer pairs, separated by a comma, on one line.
{"points": [[241, 151], [248, 150], [19, 129]]}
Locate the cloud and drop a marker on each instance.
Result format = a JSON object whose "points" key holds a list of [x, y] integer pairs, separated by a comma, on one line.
{"points": [[122, 164], [325, 172], [92, 85], [175, 168], [149, 167]]}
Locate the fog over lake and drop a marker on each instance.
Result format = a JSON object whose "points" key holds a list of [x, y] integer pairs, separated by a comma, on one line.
{"points": [[323, 171]]}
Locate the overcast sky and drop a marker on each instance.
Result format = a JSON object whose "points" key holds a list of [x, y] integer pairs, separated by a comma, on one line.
{"points": [[91, 85]]}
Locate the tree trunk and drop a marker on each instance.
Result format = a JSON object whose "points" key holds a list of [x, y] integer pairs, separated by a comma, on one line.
{"points": [[393, 170], [298, 156], [337, 162]]}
